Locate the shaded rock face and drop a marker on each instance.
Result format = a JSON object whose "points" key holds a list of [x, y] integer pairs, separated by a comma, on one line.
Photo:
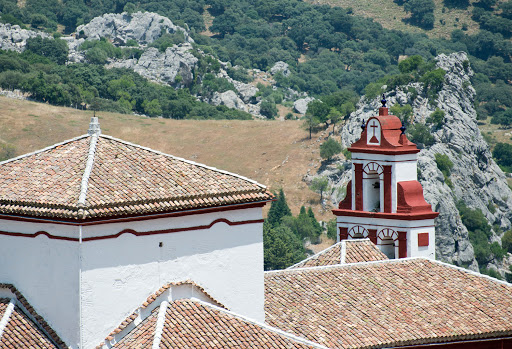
{"points": [[144, 27], [13, 38], [163, 67], [476, 178]]}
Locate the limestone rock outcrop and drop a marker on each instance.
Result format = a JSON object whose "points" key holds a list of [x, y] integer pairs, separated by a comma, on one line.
{"points": [[163, 67], [281, 67], [476, 178], [13, 38], [144, 27]]}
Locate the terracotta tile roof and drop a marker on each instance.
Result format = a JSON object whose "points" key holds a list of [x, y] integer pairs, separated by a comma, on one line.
{"points": [[24, 327], [153, 297], [387, 303], [124, 179], [346, 251], [362, 250], [194, 324]]}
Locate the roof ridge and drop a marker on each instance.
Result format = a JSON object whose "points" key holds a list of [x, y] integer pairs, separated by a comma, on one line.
{"points": [[313, 256], [472, 272], [257, 323], [7, 315], [397, 260], [84, 184], [44, 149], [184, 160]]}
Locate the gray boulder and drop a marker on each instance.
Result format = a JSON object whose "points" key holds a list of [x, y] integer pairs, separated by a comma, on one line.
{"points": [[280, 67], [229, 99], [301, 105]]}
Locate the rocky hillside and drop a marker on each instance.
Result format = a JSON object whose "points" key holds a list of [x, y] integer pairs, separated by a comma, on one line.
{"points": [[475, 177], [178, 65]]}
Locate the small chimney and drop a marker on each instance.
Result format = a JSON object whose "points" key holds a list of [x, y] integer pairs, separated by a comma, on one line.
{"points": [[94, 127]]}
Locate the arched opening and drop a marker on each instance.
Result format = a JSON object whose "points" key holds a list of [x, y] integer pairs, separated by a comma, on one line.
{"points": [[358, 232], [387, 247], [372, 187]]}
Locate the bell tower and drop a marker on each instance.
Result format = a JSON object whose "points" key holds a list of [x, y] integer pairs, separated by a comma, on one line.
{"points": [[384, 200]]}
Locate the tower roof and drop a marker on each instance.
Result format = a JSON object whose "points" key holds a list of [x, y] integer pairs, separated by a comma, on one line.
{"points": [[383, 134], [96, 176]]}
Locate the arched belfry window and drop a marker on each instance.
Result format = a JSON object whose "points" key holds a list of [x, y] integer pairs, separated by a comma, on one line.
{"points": [[372, 178], [387, 239], [358, 232]]}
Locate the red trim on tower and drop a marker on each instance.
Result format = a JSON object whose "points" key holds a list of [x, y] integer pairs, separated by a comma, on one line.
{"points": [[358, 170], [372, 235], [343, 233], [410, 198], [398, 216], [423, 239], [346, 203], [387, 189], [402, 244]]}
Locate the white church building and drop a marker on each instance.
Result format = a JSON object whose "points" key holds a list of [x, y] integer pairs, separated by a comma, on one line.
{"points": [[107, 244]]}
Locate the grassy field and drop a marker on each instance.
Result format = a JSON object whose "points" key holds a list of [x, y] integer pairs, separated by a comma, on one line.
{"points": [[392, 16], [275, 153]]}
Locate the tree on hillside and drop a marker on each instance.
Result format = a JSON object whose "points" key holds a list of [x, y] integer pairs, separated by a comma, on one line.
{"points": [[320, 185], [319, 110], [278, 209], [422, 12], [502, 153], [310, 123], [329, 148]]}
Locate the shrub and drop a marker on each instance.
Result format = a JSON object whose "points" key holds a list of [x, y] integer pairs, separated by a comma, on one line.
{"points": [[502, 153], [437, 118], [444, 164], [419, 133], [330, 148]]}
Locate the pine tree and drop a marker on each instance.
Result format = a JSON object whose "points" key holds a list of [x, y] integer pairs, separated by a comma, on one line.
{"points": [[278, 210]]}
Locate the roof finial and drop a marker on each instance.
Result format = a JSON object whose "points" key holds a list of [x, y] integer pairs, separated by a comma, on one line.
{"points": [[383, 101], [402, 128], [94, 126], [363, 126]]}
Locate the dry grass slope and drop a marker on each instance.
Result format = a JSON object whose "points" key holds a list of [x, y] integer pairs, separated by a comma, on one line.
{"points": [[274, 153], [391, 16]]}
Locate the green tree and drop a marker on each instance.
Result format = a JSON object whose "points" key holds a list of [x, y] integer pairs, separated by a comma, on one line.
{"points": [[404, 113], [410, 64], [506, 241], [331, 229], [317, 228], [419, 133], [329, 148], [319, 110], [268, 109], [281, 247], [422, 12], [152, 108], [502, 153], [320, 185], [54, 49], [310, 123], [278, 209], [437, 117]]}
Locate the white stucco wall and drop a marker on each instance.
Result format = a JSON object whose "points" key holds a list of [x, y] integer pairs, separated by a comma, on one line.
{"points": [[423, 251], [119, 274], [45, 271]]}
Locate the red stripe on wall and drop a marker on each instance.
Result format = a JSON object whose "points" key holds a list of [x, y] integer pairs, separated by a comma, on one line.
{"points": [[133, 232]]}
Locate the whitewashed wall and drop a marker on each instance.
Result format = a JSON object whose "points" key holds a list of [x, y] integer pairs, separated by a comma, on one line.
{"points": [[117, 275], [45, 271]]}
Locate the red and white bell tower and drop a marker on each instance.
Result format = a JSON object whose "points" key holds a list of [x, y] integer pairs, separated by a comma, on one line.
{"points": [[384, 200]]}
